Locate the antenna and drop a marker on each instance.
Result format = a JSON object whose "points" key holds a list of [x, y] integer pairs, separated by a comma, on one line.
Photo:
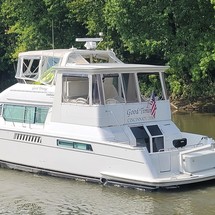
{"points": [[52, 34], [90, 42]]}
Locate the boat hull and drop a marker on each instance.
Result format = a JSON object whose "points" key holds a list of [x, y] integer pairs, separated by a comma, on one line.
{"points": [[146, 185], [129, 167]]}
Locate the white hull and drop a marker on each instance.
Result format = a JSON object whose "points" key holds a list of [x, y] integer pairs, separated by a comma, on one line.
{"points": [[79, 163], [126, 166]]}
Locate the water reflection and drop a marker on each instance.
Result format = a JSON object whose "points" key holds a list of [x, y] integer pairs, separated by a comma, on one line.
{"points": [[196, 122]]}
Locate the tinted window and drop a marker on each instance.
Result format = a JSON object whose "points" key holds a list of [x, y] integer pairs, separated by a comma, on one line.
{"points": [[75, 145], [24, 114], [154, 130]]}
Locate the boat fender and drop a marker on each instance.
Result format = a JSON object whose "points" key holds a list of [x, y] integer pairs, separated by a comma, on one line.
{"points": [[179, 143]]}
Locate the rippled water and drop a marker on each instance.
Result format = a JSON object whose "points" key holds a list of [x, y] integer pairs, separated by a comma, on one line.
{"points": [[26, 193]]}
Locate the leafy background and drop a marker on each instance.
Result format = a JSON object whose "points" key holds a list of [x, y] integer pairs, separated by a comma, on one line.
{"points": [[178, 33]]}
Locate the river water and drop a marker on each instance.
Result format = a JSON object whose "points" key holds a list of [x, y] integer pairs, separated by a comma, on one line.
{"points": [[26, 193]]}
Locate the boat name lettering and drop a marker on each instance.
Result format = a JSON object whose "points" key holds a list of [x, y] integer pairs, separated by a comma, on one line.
{"points": [[138, 111], [39, 88]]}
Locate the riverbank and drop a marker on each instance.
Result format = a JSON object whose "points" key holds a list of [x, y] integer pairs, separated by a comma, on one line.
{"points": [[203, 105]]}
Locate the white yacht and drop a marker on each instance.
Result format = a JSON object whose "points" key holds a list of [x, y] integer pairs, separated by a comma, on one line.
{"points": [[85, 114]]}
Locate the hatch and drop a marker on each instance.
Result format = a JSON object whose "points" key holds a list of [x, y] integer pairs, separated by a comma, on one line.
{"points": [[149, 136]]}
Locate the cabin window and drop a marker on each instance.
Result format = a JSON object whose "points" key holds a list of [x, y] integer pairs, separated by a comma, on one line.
{"points": [[76, 89], [24, 114], [149, 83], [14, 113], [40, 114], [29, 115], [130, 87], [113, 89], [74, 145], [97, 93]]}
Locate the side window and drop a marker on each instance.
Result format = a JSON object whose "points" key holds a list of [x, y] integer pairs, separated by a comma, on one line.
{"points": [[130, 88], [24, 114], [76, 89], [74, 145], [13, 113], [97, 93], [149, 83], [29, 115], [40, 115], [113, 89]]}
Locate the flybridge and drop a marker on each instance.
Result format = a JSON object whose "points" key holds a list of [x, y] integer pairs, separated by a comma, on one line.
{"points": [[92, 77], [38, 66]]}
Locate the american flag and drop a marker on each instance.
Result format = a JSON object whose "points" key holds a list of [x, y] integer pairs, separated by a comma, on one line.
{"points": [[152, 102]]}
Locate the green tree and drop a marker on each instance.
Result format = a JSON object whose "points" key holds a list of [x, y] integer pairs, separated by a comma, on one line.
{"points": [[32, 23], [6, 65], [177, 32], [92, 14], [180, 33]]}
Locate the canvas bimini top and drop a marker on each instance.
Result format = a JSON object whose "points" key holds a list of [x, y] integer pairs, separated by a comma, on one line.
{"points": [[34, 65]]}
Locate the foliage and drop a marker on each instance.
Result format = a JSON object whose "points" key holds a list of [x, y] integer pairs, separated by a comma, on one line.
{"points": [[149, 83], [6, 66], [179, 33], [32, 21]]}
